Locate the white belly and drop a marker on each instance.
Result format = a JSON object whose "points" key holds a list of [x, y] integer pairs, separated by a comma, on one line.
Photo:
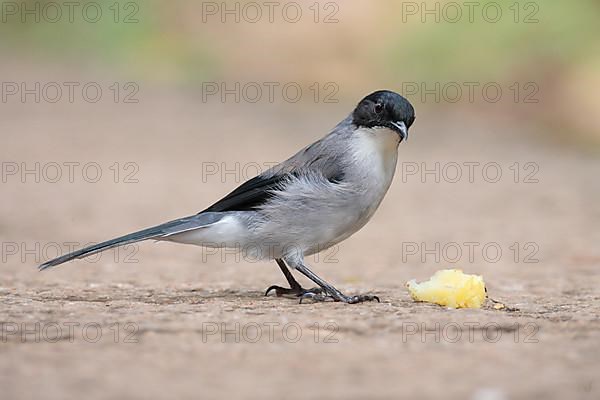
{"points": [[376, 153]]}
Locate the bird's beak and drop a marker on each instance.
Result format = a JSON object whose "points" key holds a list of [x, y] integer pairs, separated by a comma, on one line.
{"points": [[400, 127]]}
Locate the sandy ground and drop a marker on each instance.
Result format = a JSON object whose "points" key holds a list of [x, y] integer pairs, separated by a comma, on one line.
{"points": [[169, 320]]}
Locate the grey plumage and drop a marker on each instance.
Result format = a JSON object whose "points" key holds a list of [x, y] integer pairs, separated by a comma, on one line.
{"points": [[313, 200], [314, 171]]}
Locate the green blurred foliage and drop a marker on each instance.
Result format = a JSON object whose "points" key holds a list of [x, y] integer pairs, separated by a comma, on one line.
{"points": [[128, 35], [159, 45], [555, 44], [565, 33]]}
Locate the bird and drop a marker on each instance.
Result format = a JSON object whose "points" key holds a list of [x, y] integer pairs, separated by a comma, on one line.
{"points": [[313, 200]]}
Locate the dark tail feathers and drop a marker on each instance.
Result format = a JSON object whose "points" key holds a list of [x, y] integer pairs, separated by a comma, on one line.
{"points": [[149, 233]]}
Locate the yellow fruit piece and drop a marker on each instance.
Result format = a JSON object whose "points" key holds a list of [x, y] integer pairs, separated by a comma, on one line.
{"points": [[450, 288]]}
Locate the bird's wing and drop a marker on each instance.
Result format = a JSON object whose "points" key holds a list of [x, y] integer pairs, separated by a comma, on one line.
{"points": [[313, 159], [251, 194]]}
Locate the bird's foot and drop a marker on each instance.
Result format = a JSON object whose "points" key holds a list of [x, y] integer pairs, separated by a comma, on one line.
{"points": [[293, 292], [361, 298], [338, 296], [321, 296]]}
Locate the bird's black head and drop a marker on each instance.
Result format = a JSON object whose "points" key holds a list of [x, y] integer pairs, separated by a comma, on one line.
{"points": [[387, 109]]}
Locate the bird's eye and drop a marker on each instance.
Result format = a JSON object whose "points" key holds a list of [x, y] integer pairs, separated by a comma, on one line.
{"points": [[378, 108]]}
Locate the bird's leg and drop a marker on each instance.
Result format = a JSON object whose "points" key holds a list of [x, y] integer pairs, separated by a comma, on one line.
{"points": [[329, 291], [295, 288]]}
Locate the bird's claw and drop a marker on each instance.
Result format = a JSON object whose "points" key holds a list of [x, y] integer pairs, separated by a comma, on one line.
{"points": [[292, 292], [362, 298], [340, 297], [319, 296], [279, 291]]}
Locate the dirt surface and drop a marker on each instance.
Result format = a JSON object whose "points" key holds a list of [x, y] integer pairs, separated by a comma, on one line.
{"points": [[181, 322]]}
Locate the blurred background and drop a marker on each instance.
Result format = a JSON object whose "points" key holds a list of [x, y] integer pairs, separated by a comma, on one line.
{"points": [[179, 46], [115, 116]]}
